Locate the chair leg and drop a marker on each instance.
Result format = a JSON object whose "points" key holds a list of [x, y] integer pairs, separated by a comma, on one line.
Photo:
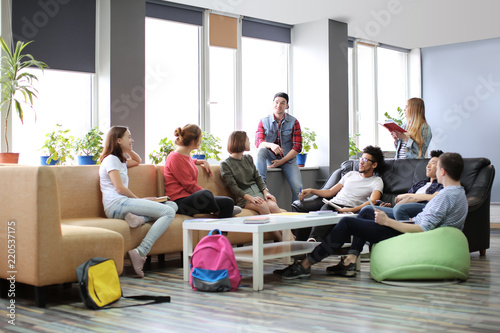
{"points": [[40, 296], [482, 252], [4, 286]]}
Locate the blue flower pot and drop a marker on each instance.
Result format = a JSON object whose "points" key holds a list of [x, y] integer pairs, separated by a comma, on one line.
{"points": [[301, 159], [86, 160], [198, 156], [43, 161]]}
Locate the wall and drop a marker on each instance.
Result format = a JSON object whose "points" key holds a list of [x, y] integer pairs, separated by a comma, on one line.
{"points": [[461, 90], [319, 97]]}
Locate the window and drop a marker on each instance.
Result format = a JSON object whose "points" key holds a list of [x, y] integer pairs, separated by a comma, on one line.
{"points": [[172, 79], [264, 73], [64, 98], [378, 82]]}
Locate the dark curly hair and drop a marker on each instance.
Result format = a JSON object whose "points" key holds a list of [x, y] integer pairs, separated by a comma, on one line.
{"points": [[376, 154], [436, 153]]}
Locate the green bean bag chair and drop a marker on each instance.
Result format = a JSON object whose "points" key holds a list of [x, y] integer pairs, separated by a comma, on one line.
{"points": [[439, 254]]}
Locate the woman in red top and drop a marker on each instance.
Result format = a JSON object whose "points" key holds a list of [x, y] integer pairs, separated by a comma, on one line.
{"points": [[181, 176]]}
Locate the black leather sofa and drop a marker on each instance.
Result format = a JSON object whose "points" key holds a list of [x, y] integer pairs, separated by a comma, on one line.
{"points": [[399, 175]]}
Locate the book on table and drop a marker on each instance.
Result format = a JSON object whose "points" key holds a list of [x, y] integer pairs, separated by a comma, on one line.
{"points": [[391, 126], [257, 219]]}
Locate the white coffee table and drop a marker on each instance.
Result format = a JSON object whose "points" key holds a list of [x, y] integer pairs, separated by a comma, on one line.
{"points": [[258, 251]]}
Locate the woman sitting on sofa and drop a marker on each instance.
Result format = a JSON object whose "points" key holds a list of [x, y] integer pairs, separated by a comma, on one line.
{"points": [[120, 203], [181, 178]]}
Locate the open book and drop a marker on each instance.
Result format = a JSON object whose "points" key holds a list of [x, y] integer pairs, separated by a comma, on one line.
{"points": [[391, 125], [162, 199]]}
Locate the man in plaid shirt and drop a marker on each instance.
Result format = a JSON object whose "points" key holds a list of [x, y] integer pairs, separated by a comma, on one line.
{"points": [[279, 140]]}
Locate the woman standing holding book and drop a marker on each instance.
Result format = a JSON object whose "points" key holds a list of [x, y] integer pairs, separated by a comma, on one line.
{"points": [[120, 203], [414, 142]]}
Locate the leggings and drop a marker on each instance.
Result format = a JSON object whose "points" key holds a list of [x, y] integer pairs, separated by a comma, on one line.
{"points": [[362, 230], [204, 202]]}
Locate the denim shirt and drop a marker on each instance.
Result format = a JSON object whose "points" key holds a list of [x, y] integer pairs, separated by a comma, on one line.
{"points": [[271, 131], [412, 147]]}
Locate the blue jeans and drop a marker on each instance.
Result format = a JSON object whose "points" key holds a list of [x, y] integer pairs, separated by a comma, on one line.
{"points": [[290, 169], [400, 212], [362, 230], [149, 210]]}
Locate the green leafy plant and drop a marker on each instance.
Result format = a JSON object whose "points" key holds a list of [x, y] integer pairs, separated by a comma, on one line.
{"points": [[90, 144], [399, 119], [166, 147], [210, 146], [58, 145], [353, 148], [308, 140], [16, 82]]}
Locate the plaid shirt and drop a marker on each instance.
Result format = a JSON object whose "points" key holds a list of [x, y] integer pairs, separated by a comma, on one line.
{"points": [[296, 135]]}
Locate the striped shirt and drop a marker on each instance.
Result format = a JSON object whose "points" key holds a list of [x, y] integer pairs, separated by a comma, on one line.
{"points": [[447, 209]]}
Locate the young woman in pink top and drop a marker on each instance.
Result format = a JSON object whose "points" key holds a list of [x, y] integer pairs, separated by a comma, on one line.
{"points": [[181, 176]]}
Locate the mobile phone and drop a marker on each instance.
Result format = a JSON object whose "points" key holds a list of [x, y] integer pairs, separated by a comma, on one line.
{"points": [[371, 203]]}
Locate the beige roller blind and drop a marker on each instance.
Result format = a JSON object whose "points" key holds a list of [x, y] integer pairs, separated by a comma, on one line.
{"points": [[223, 31]]}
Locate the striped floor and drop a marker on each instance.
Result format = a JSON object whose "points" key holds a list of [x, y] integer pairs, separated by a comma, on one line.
{"points": [[318, 304]]}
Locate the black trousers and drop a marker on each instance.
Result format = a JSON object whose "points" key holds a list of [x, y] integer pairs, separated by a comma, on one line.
{"points": [[204, 202]]}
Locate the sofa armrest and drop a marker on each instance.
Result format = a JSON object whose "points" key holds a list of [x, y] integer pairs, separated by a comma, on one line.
{"points": [[481, 189]]}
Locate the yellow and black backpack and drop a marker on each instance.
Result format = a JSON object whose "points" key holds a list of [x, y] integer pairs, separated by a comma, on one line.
{"points": [[100, 286]]}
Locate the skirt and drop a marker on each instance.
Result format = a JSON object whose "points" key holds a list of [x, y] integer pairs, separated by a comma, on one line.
{"points": [[254, 191]]}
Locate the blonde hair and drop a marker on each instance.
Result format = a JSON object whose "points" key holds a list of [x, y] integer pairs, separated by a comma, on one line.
{"points": [[415, 119], [188, 134]]}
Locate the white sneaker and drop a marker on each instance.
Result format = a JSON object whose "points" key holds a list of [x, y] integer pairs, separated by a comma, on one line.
{"points": [[311, 240]]}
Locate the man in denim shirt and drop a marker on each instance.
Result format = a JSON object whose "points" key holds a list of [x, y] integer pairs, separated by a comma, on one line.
{"points": [[279, 139]]}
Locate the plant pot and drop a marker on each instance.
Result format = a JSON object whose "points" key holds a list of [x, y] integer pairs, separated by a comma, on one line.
{"points": [[86, 160], [301, 159], [11, 158], [43, 161], [198, 156]]}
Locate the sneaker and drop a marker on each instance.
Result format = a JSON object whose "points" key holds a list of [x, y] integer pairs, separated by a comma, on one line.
{"points": [[137, 262], [294, 271], [134, 221], [342, 270], [236, 210], [311, 240]]}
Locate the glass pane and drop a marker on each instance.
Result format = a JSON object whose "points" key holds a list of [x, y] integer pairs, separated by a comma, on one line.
{"points": [[222, 94], [366, 96], [63, 98], [265, 72], [172, 79], [392, 89]]}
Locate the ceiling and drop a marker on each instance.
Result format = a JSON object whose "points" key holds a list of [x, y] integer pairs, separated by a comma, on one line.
{"points": [[403, 23]]}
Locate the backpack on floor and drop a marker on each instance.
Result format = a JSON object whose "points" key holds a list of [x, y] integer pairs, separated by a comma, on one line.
{"points": [[213, 265], [100, 286]]}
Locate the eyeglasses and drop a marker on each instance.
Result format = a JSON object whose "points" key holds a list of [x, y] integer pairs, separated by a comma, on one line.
{"points": [[364, 160]]}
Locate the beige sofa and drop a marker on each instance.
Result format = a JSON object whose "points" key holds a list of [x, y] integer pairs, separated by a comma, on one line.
{"points": [[57, 222]]}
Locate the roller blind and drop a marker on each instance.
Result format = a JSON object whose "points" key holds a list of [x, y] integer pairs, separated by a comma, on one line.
{"points": [[223, 31], [63, 32], [174, 12], [255, 28]]}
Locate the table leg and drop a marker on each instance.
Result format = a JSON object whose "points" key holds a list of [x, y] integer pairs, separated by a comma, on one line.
{"points": [[187, 244], [258, 261], [287, 238]]}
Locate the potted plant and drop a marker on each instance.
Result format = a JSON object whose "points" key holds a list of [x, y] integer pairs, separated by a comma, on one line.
{"points": [[399, 119], [308, 143], [89, 148], [353, 148], [16, 83], [166, 147], [210, 147], [57, 147]]}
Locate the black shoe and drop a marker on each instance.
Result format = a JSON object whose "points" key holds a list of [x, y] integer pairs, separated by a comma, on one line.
{"points": [[341, 269], [294, 271]]}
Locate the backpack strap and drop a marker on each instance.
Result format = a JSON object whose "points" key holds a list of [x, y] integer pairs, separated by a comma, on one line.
{"points": [[153, 299], [211, 231]]}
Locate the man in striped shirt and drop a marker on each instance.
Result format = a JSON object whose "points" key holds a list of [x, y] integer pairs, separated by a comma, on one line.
{"points": [[279, 139], [448, 208]]}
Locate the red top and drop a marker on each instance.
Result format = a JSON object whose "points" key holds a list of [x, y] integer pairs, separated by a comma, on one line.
{"points": [[181, 176]]}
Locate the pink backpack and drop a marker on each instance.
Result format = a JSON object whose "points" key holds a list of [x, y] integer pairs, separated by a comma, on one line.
{"points": [[213, 265]]}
